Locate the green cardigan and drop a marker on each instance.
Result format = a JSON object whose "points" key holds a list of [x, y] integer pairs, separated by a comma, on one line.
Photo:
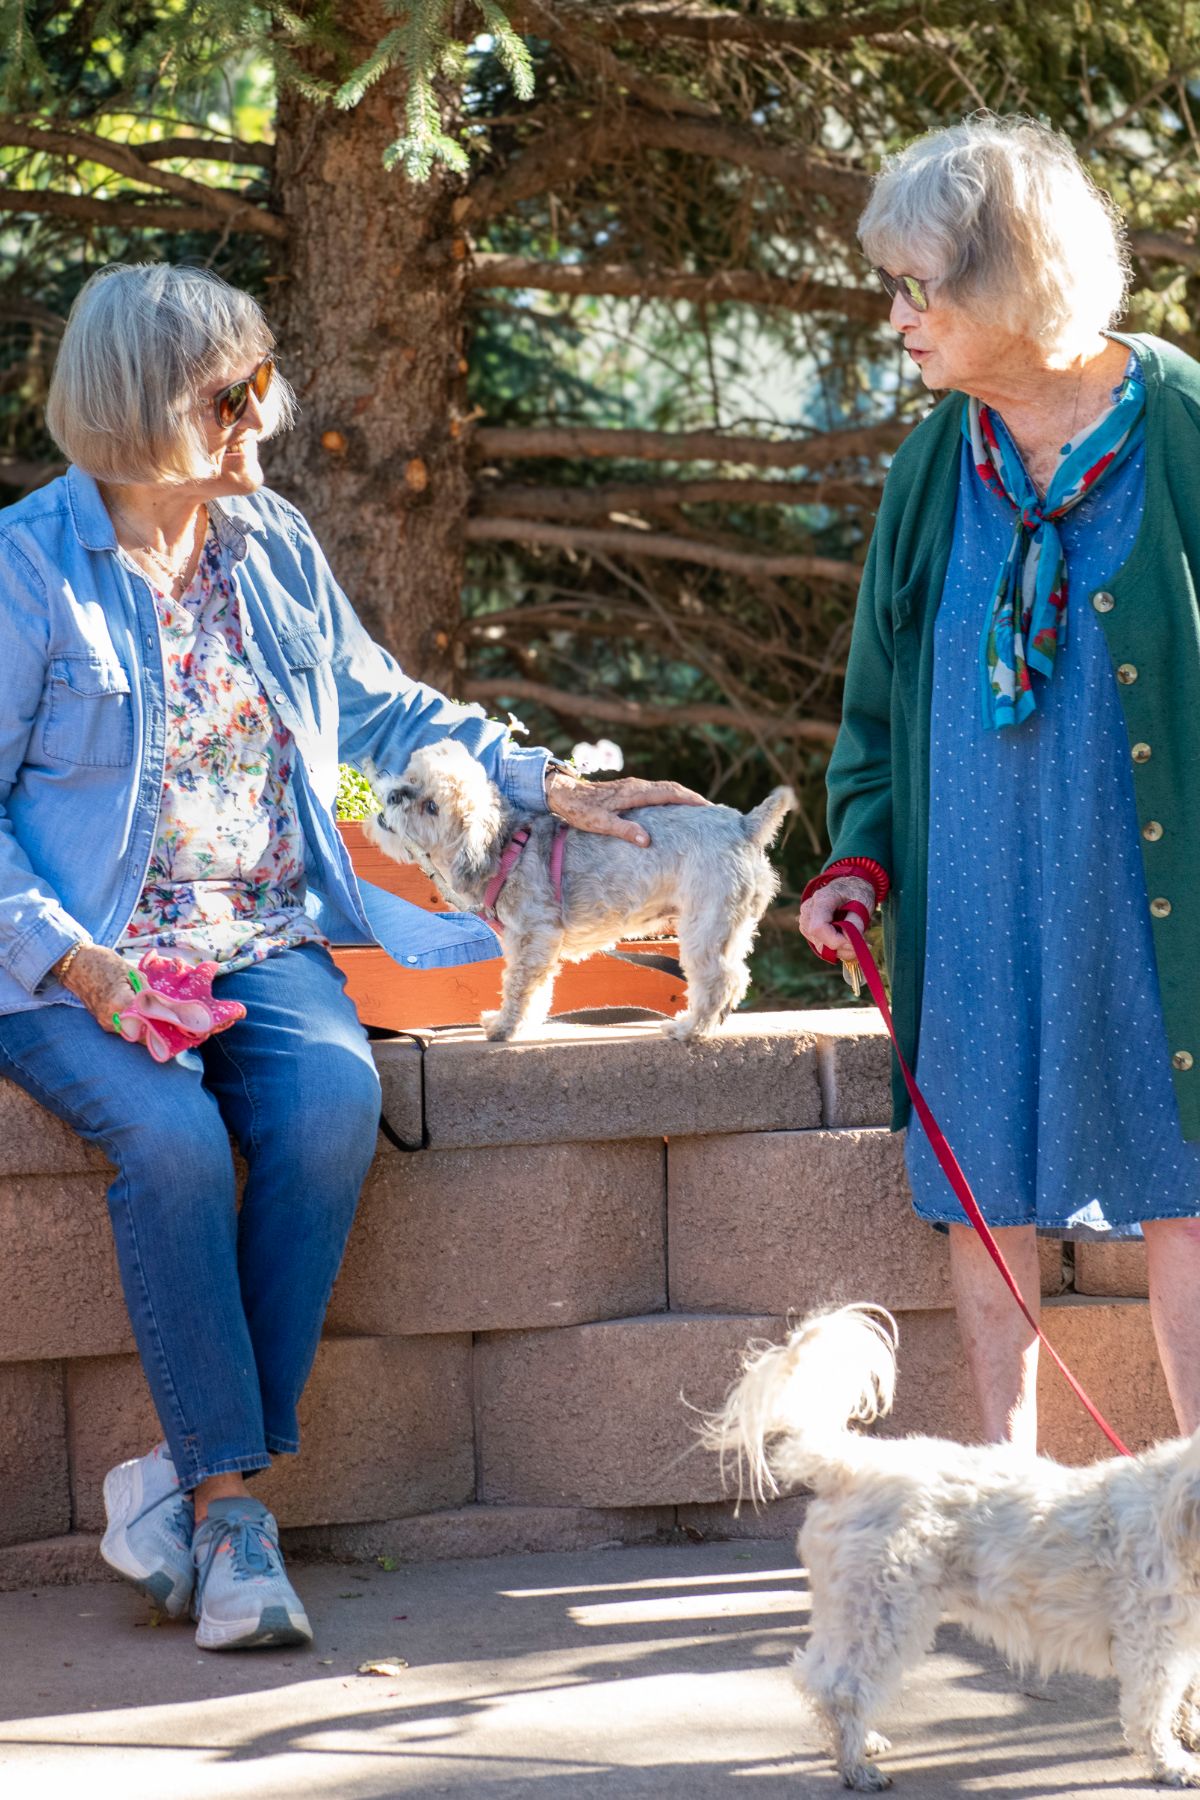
{"points": [[879, 771]]}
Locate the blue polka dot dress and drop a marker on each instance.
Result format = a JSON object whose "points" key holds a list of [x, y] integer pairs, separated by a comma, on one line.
{"points": [[1043, 1050]]}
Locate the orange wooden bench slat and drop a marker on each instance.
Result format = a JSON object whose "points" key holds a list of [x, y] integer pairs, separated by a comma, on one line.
{"points": [[395, 999]]}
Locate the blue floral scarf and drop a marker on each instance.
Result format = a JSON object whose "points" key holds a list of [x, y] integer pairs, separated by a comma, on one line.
{"points": [[1026, 621]]}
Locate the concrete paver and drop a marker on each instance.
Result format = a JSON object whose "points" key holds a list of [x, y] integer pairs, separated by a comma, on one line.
{"points": [[658, 1670]]}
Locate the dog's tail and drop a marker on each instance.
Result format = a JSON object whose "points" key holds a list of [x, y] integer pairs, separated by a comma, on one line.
{"points": [[761, 825], [785, 1421]]}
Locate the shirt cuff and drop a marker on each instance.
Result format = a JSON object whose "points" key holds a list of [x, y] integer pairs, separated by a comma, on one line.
{"points": [[523, 779], [36, 952]]}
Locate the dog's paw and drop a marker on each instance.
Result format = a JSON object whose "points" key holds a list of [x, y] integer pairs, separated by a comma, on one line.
{"points": [[875, 1744], [494, 1028], [1181, 1772], [866, 1779]]}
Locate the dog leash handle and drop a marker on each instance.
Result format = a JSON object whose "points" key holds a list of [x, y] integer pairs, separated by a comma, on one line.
{"points": [[844, 918]]}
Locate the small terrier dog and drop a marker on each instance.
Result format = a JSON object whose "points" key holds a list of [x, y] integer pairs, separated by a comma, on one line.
{"points": [[1093, 1570], [706, 868]]}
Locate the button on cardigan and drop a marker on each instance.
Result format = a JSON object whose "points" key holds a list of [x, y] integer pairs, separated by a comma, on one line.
{"points": [[1041, 1067], [879, 774]]}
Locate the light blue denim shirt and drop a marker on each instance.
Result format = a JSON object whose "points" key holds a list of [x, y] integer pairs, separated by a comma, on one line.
{"points": [[82, 725]]}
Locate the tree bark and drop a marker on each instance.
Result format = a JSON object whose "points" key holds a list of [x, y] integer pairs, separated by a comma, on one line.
{"points": [[370, 327]]}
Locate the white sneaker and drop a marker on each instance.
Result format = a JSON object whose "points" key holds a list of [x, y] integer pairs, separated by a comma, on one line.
{"points": [[243, 1600], [149, 1535]]}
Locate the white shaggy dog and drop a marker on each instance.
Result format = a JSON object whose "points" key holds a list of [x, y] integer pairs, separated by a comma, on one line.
{"points": [[705, 868], [1093, 1570]]}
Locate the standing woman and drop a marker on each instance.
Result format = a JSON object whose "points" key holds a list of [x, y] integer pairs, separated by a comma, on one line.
{"points": [[179, 675], [1017, 774]]}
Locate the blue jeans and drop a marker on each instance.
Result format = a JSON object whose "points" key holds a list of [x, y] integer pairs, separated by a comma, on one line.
{"points": [[226, 1307]]}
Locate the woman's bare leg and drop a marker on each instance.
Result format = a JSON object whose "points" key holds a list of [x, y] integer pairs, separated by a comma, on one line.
{"points": [[1001, 1349], [1173, 1265], [218, 1487]]}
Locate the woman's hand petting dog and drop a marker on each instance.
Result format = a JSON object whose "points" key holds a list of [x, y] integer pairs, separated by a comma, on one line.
{"points": [[100, 978], [598, 805], [816, 915]]}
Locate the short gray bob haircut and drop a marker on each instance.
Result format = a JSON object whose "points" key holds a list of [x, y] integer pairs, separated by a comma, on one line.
{"points": [[1006, 219], [141, 343]]}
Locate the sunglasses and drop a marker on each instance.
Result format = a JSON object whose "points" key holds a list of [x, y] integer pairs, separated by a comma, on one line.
{"points": [[914, 291], [231, 402]]}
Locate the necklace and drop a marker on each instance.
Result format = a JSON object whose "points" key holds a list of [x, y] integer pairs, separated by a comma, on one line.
{"points": [[174, 572]]}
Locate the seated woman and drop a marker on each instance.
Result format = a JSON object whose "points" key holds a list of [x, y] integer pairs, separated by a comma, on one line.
{"points": [[179, 676]]}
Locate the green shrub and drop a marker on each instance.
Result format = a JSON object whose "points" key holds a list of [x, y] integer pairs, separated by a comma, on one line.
{"points": [[354, 797]]}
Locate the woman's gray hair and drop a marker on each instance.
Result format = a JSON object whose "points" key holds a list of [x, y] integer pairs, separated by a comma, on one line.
{"points": [[1004, 215], [141, 343]]}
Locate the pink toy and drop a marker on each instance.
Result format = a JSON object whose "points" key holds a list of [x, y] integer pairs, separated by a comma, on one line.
{"points": [[173, 1007]]}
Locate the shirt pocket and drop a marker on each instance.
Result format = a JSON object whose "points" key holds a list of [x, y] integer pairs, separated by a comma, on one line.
{"points": [[303, 648], [89, 713]]}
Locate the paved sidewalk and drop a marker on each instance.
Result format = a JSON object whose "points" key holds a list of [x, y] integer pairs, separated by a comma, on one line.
{"points": [[613, 1674]]}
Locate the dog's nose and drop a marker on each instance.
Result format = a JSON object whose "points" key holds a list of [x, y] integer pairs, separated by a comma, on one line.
{"points": [[381, 819]]}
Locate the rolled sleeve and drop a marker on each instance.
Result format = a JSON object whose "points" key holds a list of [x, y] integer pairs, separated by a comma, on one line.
{"points": [[36, 951], [522, 778], [35, 927]]}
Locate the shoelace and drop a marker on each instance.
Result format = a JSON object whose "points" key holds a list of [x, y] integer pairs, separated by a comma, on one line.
{"points": [[250, 1551]]}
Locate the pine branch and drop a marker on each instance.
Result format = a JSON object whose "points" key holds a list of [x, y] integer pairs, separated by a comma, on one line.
{"points": [[760, 725], [21, 309], [817, 450], [1164, 246], [222, 150], [663, 546], [575, 40], [86, 146], [652, 25], [579, 504], [137, 215], [569, 151], [803, 295], [750, 149], [17, 472]]}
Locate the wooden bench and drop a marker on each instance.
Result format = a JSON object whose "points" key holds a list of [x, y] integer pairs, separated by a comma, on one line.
{"points": [[394, 999]]}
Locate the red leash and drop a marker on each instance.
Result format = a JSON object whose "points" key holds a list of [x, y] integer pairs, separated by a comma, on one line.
{"points": [[948, 1160]]}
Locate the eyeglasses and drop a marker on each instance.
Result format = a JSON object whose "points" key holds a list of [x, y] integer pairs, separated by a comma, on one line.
{"points": [[916, 292], [229, 405]]}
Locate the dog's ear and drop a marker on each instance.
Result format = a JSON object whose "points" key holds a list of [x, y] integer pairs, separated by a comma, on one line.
{"points": [[475, 853], [473, 803]]}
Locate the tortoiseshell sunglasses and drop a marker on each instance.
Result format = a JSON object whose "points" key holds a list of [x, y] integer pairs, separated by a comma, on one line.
{"points": [[231, 402]]}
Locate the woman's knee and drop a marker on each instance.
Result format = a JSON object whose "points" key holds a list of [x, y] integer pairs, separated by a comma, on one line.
{"points": [[330, 1129], [174, 1157]]}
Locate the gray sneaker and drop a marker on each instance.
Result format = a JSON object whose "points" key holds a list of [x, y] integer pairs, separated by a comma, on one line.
{"points": [[243, 1600], [149, 1535]]}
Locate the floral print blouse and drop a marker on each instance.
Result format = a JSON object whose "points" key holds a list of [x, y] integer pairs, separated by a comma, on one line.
{"points": [[226, 875]]}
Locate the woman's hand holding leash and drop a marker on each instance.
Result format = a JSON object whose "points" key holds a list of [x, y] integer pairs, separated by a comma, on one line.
{"points": [[817, 915]]}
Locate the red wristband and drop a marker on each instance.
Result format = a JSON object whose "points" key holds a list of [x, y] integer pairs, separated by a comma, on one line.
{"points": [[862, 866]]}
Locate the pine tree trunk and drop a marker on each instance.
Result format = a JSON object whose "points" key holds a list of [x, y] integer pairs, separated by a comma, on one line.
{"points": [[369, 314]]}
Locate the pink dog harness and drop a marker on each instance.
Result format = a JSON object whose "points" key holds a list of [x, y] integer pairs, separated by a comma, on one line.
{"points": [[508, 862]]}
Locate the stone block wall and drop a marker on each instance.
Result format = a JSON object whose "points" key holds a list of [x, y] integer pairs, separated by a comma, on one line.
{"points": [[531, 1307]]}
